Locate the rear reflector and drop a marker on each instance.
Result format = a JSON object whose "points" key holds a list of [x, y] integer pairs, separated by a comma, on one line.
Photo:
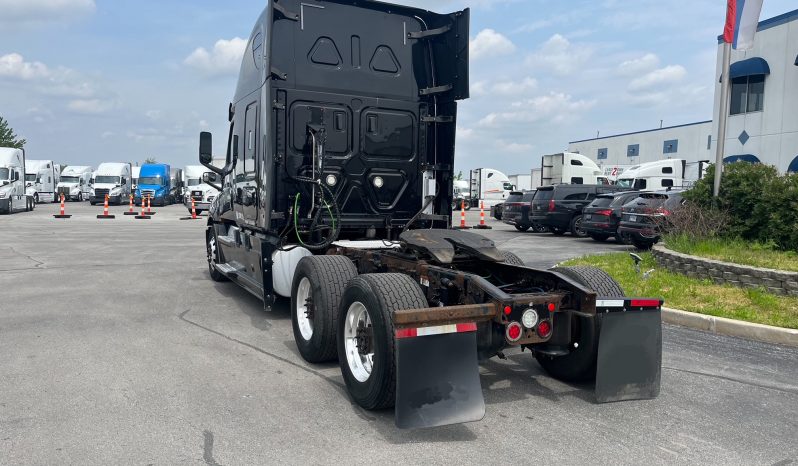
{"points": [[645, 303], [438, 330], [544, 329]]}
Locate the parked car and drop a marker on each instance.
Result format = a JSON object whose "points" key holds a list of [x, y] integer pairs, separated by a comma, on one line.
{"points": [[515, 211], [559, 207], [497, 210], [646, 218], [602, 217]]}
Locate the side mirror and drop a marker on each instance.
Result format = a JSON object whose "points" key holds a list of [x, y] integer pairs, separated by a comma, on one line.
{"points": [[16, 176], [211, 179], [91, 181], [206, 148], [124, 181]]}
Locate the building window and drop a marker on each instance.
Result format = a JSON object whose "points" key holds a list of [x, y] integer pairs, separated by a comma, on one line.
{"points": [[709, 142], [670, 147], [633, 150], [747, 94], [602, 154]]}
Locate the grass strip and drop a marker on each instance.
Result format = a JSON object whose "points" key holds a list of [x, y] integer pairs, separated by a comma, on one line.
{"points": [[695, 295], [735, 251]]}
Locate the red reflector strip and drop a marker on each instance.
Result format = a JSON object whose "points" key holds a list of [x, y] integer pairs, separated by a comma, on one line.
{"points": [[645, 303], [438, 330]]}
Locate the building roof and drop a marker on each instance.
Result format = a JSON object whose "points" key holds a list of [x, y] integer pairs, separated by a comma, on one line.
{"points": [[641, 132]]}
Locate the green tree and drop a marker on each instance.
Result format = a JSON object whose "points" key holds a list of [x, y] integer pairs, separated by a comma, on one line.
{"points": [[459, 176], [7, 136], [150, 160]]}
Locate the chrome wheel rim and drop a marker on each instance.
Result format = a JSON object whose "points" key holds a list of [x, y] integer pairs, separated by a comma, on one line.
{"points": [[360, 365], [304, 322]]}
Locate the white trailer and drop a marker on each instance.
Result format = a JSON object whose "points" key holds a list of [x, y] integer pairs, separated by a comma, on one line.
{"points": [[570, 168], [112, 179], [41, 179], [12, 182], [521, 182], [202, 193], [135, 185], [488, 186], [75, 183], [669, 173]]}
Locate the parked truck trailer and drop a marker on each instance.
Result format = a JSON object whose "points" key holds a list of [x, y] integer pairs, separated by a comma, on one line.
{"points": [[41, 179], [13, 197], [356, 230], [112, 179], [75, 183]]}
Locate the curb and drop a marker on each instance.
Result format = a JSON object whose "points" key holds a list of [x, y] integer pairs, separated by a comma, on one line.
{"points": [[730, 327]]}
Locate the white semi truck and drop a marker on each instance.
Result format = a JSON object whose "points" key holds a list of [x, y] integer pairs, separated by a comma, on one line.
{"points": [[570, 168], [202, 194], [113, 179], [75, 183], [41, 179], [488, 186], [12, 182], [521, 182], [663, 174], [135, 175]]}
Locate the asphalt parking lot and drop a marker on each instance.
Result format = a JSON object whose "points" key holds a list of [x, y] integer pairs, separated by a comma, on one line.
{"points": [[118, 349]]}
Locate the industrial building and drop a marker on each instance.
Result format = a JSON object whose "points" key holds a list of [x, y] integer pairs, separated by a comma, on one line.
{"points": [[763, 112]]}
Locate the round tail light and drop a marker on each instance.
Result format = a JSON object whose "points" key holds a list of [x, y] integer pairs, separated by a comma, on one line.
{"points": [[514, 331], [529, 318], [544, 329]]}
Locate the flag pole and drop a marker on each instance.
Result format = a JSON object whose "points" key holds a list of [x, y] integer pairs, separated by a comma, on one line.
{"points": [[722, 116]]}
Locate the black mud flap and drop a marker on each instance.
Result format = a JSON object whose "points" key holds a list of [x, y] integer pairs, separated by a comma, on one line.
{"points": [[437, 380], [629, 355]]}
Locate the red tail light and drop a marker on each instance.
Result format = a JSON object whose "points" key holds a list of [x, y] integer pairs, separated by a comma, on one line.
{"points": [[663, 211], [607, 212], [544, 329], [645, 303], [514, 331], [551, 205]]}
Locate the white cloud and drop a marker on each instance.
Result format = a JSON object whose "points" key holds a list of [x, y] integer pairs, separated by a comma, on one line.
{"points": [[14, 65], [553, 107], [504, 88], [153, 114], [90, 106], [560, 56], [514, 147], [489, 43], [658, 78], [21, 11], [225, 58], [644, 64], [60, 81]]}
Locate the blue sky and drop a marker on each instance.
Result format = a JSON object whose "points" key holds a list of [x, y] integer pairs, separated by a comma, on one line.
{"points": [[87, 81]]}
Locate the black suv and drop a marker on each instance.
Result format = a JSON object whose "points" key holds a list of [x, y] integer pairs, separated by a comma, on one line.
{"points": [[646, 218], [560, 207], [602, 218], [515, 211]]}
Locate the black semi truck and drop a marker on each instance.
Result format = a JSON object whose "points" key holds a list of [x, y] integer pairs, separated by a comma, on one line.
{"points": [[337, 194]]}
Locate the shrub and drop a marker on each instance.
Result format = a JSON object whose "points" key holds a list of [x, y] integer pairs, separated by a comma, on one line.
{"points": [[759, 204]]}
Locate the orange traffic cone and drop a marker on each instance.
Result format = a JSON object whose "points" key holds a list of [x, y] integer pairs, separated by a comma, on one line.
{"points": [[149, 206], [463, 225], [131, 211], [105, 210], [143, 215], [63, 210], [482, 225], [193, 212]]}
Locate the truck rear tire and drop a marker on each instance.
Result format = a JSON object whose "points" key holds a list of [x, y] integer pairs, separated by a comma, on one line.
{"points": [[510, 258], [366, 336], [318, 284], [522, 227], [580, 364]]}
